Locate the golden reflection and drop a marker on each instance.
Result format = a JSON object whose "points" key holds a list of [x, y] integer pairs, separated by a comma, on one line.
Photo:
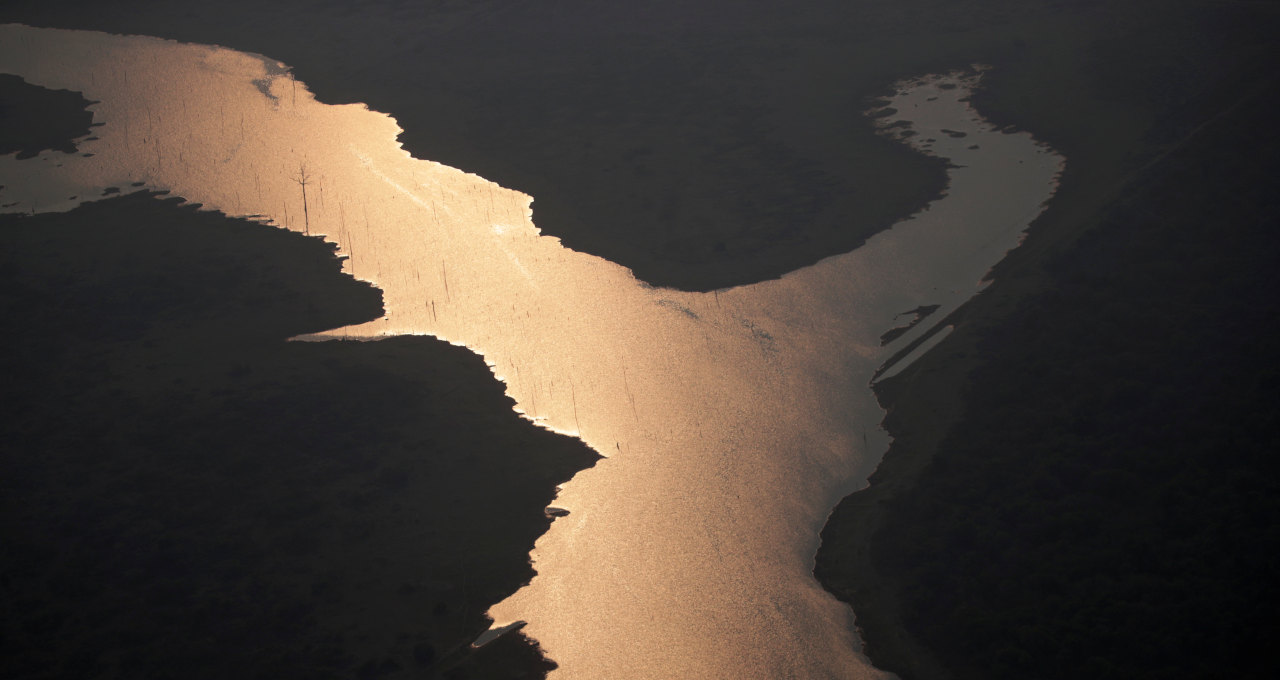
{"points": [[732, 421]]}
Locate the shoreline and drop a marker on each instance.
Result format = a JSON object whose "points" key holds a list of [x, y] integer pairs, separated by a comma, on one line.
{"points": [[789, 323], [1081, 191], [925, 402], [357, 505]]}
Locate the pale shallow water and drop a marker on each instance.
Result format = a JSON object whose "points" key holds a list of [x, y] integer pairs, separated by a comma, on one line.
{"points": [[732, 421]]}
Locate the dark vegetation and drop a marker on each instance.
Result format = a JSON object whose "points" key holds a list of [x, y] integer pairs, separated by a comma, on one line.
{"points": [[186, 495], [1106, 505], [35, 119]]}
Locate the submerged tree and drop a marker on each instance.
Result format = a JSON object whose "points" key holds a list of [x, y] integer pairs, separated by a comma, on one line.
{"points": [[302, 178]]}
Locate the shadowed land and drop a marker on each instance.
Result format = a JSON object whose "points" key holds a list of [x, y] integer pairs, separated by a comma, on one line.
{"points": [[33, 119], [719, 144], [1082, 481], [739, 491], [1092, 79], [183, 489]]}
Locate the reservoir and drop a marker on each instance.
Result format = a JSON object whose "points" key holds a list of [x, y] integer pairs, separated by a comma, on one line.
{"points": [[731, 421]]}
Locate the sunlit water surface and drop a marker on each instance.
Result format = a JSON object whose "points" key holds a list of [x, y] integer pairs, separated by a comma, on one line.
{"points": [[732, 421]]}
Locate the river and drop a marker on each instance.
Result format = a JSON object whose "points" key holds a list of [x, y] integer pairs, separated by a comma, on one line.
{"points": [[731, 421]]}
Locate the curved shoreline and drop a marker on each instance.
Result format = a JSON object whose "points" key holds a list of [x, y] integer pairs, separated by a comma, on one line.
{"points": [[704, 489], [177, 474], [1090, 488]]}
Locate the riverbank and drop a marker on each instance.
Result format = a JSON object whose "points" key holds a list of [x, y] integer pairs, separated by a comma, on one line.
{"points": [[702, 148], [622, 394], [33, 119], [1029, 517], [1075, 119], [185, 489]]}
